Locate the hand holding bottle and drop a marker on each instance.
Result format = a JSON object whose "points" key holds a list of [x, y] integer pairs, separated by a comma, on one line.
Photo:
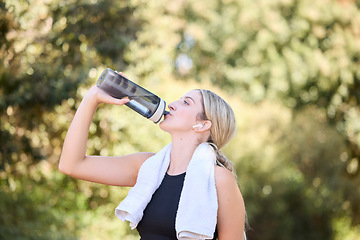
{"points": [[101, 96]]}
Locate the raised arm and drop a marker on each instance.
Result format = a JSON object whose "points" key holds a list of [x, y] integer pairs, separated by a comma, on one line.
{"points": [[120, 171]]}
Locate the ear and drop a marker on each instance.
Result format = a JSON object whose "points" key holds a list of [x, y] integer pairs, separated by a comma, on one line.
{"points": [[206, 126]]}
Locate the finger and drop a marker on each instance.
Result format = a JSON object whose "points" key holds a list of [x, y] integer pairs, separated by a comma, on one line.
{"points": [[122, 101], [122, 74]]}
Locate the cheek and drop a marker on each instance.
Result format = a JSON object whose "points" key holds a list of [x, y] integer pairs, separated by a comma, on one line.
{"points": [[185, 118]]}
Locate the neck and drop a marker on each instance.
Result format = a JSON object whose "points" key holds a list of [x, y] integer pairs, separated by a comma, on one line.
{"points": [[182, 150]]}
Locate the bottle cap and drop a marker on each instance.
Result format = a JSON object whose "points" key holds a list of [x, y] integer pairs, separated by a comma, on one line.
{"points": [[159, 112]]}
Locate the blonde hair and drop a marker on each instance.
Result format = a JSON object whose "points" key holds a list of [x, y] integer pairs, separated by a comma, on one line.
{"points": [[223, 128], [223, 125]]}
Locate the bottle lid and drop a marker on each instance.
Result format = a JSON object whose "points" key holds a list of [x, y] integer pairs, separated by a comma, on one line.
{"points": [[159, 112]]}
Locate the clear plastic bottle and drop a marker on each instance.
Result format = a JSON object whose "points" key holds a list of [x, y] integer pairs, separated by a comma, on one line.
{"points": [[141, 100]]}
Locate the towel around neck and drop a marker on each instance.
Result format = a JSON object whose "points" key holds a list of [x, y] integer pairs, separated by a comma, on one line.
{"points": [[197, 213]]}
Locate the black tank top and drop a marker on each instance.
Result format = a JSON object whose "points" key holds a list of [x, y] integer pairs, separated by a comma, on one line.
{"points": [[158, 222]]}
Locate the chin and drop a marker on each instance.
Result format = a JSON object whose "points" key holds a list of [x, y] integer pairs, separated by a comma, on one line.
{"points": [[163, 126]]}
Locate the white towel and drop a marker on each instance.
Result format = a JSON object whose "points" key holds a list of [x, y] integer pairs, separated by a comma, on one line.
{"points": [[197, 213]]}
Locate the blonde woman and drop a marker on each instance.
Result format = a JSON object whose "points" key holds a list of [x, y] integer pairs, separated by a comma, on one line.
{"points": [[192, 197]]}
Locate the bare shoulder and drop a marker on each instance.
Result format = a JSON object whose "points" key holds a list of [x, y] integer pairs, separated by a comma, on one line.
{"points": [[226, 184], [224, 177], [231, 211], [140, 157]]}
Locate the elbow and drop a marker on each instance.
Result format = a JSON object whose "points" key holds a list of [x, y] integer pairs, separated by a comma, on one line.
{"points": [[64, 169]]}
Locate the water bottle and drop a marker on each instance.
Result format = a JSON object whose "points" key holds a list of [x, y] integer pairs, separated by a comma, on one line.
{"points": [[141, 100]]}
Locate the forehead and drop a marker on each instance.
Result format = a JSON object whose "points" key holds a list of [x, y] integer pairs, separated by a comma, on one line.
{"points": [[194, 94]]}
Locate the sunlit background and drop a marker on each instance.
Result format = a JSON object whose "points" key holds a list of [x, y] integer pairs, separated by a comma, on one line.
{"points": [[289, 68]]}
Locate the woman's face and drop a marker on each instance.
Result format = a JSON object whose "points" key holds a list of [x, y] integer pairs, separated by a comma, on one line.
{"points": [[183, 113]]}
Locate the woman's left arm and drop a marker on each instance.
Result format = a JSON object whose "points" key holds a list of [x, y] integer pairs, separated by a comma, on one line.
{"points": [[231, 210]]}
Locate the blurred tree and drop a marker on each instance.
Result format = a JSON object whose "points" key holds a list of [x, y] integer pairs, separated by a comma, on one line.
{"points": [[299, 176], [298, 51], [65, 36], [49, 48]]}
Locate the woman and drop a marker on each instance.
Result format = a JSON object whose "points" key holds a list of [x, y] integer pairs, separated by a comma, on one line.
{"points": [[200, 116]]}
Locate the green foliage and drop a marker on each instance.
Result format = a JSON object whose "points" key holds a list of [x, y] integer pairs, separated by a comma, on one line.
{"points": [[46, 54], [294, 62], [33, 206], [302, 52]]}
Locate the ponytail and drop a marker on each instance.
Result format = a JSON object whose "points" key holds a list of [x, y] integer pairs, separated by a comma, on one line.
{"points": [[222, 129], [221, 159]]}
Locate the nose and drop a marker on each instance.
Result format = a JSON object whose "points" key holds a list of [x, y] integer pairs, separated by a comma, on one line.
{"points": [[172, 106]]}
